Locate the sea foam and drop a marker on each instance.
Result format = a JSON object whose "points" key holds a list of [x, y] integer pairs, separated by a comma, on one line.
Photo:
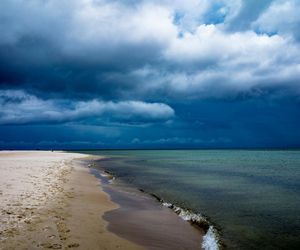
{"points": [[210, 239]]}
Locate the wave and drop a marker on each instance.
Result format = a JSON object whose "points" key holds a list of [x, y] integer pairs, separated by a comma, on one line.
{"points": [[111, 178], [211, 239]]}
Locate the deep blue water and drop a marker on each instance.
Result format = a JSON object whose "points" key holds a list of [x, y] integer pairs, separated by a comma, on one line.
{"points": [[252, 196]]}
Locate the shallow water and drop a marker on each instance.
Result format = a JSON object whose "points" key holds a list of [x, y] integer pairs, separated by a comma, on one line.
{"points": [[141, 219], [252, 196]]}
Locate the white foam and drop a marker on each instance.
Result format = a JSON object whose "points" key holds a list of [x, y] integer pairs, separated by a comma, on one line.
{"points": [[110, 181], [189, 216], [210, 241], [166, 204], [104, 175]]}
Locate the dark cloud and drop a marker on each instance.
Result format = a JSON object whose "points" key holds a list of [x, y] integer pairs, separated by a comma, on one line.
{"points": [[100, 49], [256, 122], [133, 65]]}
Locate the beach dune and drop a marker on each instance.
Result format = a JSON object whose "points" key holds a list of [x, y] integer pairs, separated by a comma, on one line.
{"points": [[48, 201]]}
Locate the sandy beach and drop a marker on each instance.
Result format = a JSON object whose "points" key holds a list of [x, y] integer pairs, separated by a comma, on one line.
{"points": [[48, 201], [53, 200]]}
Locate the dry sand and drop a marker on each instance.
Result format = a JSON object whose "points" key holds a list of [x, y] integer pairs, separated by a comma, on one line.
{"points": [[48, 201]]}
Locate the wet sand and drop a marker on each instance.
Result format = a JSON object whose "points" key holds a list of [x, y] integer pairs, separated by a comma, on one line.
{"points": [[48, 201], [142, 219]]}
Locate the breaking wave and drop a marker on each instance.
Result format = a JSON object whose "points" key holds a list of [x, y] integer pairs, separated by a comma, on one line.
{"points": [[211, 240]]}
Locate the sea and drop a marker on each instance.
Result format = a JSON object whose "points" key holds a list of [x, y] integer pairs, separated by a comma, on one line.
{"points": [[250, 198]]}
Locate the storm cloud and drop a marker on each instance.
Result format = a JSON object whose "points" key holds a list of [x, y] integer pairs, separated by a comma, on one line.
{"points": [[139, 63]]}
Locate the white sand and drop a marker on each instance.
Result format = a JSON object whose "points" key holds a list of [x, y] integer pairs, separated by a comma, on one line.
{"points": [[48, 201]]}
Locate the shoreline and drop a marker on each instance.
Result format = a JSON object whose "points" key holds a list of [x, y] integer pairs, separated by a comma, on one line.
{"points": [[185, 229], [67, 206], [49, 201], [209, 234]]}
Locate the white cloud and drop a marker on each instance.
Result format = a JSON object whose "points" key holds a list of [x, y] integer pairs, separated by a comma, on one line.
{"points": [[18, 107], [282, 17], [210, 43], [87, 24], [105, 24], [212, 62]]}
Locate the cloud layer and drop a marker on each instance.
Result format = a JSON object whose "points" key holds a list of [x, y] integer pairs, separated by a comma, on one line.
{"points": [[18, 107], [121, 64], [111, 49]]}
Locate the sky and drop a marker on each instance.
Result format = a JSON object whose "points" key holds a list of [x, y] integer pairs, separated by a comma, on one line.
{"points": [[88, 74]]}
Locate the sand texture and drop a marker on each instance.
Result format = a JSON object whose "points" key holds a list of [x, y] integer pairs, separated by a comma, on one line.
{"points": [[48, 201]]}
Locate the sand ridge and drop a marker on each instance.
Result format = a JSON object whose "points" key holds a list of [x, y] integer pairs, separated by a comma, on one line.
{"points": [[48, 201]]}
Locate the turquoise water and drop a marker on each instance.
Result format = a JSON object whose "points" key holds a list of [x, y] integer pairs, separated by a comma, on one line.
{"points": [[252, 196]]}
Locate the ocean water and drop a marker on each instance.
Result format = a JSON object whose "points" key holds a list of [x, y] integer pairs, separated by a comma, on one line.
{"points": [[252, 197]]}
